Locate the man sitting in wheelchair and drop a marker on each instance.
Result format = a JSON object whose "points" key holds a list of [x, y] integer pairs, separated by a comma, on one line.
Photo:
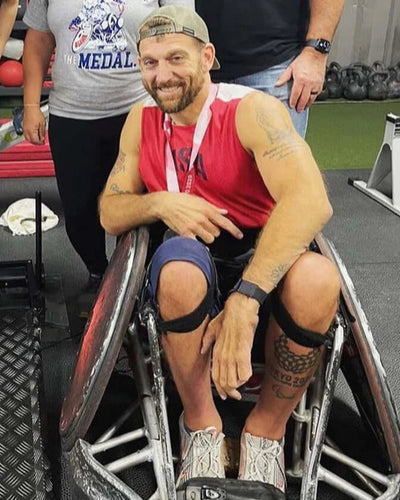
{"points": [[223, 168]]}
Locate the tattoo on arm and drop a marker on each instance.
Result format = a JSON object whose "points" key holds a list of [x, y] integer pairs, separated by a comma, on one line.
{"points": [[282, 140], [116, 189], [278, 272], [119, 164]]}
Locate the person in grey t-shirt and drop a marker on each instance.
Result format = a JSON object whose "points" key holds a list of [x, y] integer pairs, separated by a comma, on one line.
{"points": [[95, 83]]}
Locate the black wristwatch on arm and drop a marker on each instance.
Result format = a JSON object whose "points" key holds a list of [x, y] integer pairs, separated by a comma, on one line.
{"points": [[251, 290], [319, 44]]}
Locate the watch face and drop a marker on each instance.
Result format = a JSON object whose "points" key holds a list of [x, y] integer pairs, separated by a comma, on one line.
{"points": [[324, 45], [319, 44]]}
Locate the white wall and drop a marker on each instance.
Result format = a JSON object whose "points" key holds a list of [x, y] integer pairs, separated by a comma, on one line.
{"points": [[369, 31]]}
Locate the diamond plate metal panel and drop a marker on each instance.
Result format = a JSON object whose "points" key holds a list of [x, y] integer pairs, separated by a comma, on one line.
{"points": [[24, 469]]}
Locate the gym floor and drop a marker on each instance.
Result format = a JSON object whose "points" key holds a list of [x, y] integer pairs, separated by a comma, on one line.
{"points": [[366, 235]]}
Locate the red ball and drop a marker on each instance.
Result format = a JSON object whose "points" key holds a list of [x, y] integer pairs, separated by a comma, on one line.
{"points": [[11, 74]]}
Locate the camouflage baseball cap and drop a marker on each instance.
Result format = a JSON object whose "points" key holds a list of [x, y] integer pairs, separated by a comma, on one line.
{"points": [[182, 19]]}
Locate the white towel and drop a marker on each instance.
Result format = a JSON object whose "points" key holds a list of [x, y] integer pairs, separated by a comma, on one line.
{"points": [[20, 217], [13, 48]]}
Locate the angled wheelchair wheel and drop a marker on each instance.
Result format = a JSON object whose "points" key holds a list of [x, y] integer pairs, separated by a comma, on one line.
{"points": [[104, 469], [103, 336], [354, 354]]}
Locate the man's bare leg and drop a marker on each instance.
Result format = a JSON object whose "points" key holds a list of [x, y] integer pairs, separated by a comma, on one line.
{"points": [[310, 294], [182, 287]]}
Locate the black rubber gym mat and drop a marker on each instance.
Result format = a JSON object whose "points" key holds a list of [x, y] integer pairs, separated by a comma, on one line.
{"points": [[24, 469]]}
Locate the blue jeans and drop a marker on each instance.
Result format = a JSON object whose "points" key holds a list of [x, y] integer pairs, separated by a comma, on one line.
{"points": [[265, 80]]}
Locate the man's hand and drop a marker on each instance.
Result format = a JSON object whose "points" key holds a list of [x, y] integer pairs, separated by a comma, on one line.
{"points": [[233, 333], [191, 216], [308, 74], [34, 125]]}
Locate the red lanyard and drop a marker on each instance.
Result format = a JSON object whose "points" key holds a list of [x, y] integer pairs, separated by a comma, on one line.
{"points": [[198, 136]]}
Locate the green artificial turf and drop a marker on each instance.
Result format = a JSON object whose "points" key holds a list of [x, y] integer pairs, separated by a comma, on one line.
{"points": [[348, 134]]}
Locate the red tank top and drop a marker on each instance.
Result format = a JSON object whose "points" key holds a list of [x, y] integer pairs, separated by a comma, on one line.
{"points": [[225, 173]]}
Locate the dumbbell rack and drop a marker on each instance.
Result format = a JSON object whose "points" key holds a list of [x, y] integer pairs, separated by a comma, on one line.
{"points": [[383, 184]]}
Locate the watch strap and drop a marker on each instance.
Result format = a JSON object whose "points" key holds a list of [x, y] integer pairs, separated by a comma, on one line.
{"points": [[250, 290], [320, 44]]}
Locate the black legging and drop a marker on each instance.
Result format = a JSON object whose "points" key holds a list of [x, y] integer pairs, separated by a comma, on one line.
{"points": [[84, 151]]}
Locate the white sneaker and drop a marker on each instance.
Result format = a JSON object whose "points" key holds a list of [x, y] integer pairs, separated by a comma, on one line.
{"points": [[202, 453], [262, 459]]}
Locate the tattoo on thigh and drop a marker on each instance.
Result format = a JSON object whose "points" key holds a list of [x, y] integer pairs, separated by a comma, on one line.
{"points": [[279, 394], [119, 164], [291, 362]]}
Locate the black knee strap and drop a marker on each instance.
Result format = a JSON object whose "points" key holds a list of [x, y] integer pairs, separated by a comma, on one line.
{"points": [[191, 321], [299, 335]]}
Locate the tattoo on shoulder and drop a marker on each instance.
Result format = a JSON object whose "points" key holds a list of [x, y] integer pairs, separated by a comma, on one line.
{"points": [[116, 189], [119, 165], [281, 137]]}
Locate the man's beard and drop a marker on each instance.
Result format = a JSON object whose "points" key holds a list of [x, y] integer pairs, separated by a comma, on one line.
{"points": [[189, 93]]}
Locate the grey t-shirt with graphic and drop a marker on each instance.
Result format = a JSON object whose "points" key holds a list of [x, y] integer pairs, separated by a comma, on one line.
{"points": [[95, 72]]}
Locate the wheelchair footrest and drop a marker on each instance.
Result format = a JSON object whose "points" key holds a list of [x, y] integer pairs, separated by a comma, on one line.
{"points": [[204, 488]]}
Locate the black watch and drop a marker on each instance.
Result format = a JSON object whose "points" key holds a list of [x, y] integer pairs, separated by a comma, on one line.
{"points": [[319, 44], [251, 290]]}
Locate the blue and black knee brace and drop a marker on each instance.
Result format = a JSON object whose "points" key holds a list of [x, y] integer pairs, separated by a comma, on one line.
{"points": [[179, 248]]}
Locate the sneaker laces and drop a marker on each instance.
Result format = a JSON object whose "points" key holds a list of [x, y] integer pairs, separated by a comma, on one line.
{"points": [[207, 457], [261, 457]]}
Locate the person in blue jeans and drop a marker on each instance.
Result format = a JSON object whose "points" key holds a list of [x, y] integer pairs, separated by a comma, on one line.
{"points": [[271, 46]]}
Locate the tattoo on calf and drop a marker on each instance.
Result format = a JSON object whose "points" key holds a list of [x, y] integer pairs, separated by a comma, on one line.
{"points": [[118, 190], [287, 379], [279, 394], [291, 362], [119, 164]]}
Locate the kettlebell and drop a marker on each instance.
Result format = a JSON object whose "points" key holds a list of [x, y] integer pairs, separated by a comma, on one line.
{"points": [[377, 85], [335, 65], [393, 82], [334, 82], [364, 68], [378, 66], [354, 84], [324, 94]]}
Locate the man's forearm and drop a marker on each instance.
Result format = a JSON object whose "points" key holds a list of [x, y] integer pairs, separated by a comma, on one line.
{"points": [[288, 232], [324, 18], [8, 13], [123, 211]]}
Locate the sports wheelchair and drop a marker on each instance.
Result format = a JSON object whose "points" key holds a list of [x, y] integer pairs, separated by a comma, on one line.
{"points": [[133, 457]]}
